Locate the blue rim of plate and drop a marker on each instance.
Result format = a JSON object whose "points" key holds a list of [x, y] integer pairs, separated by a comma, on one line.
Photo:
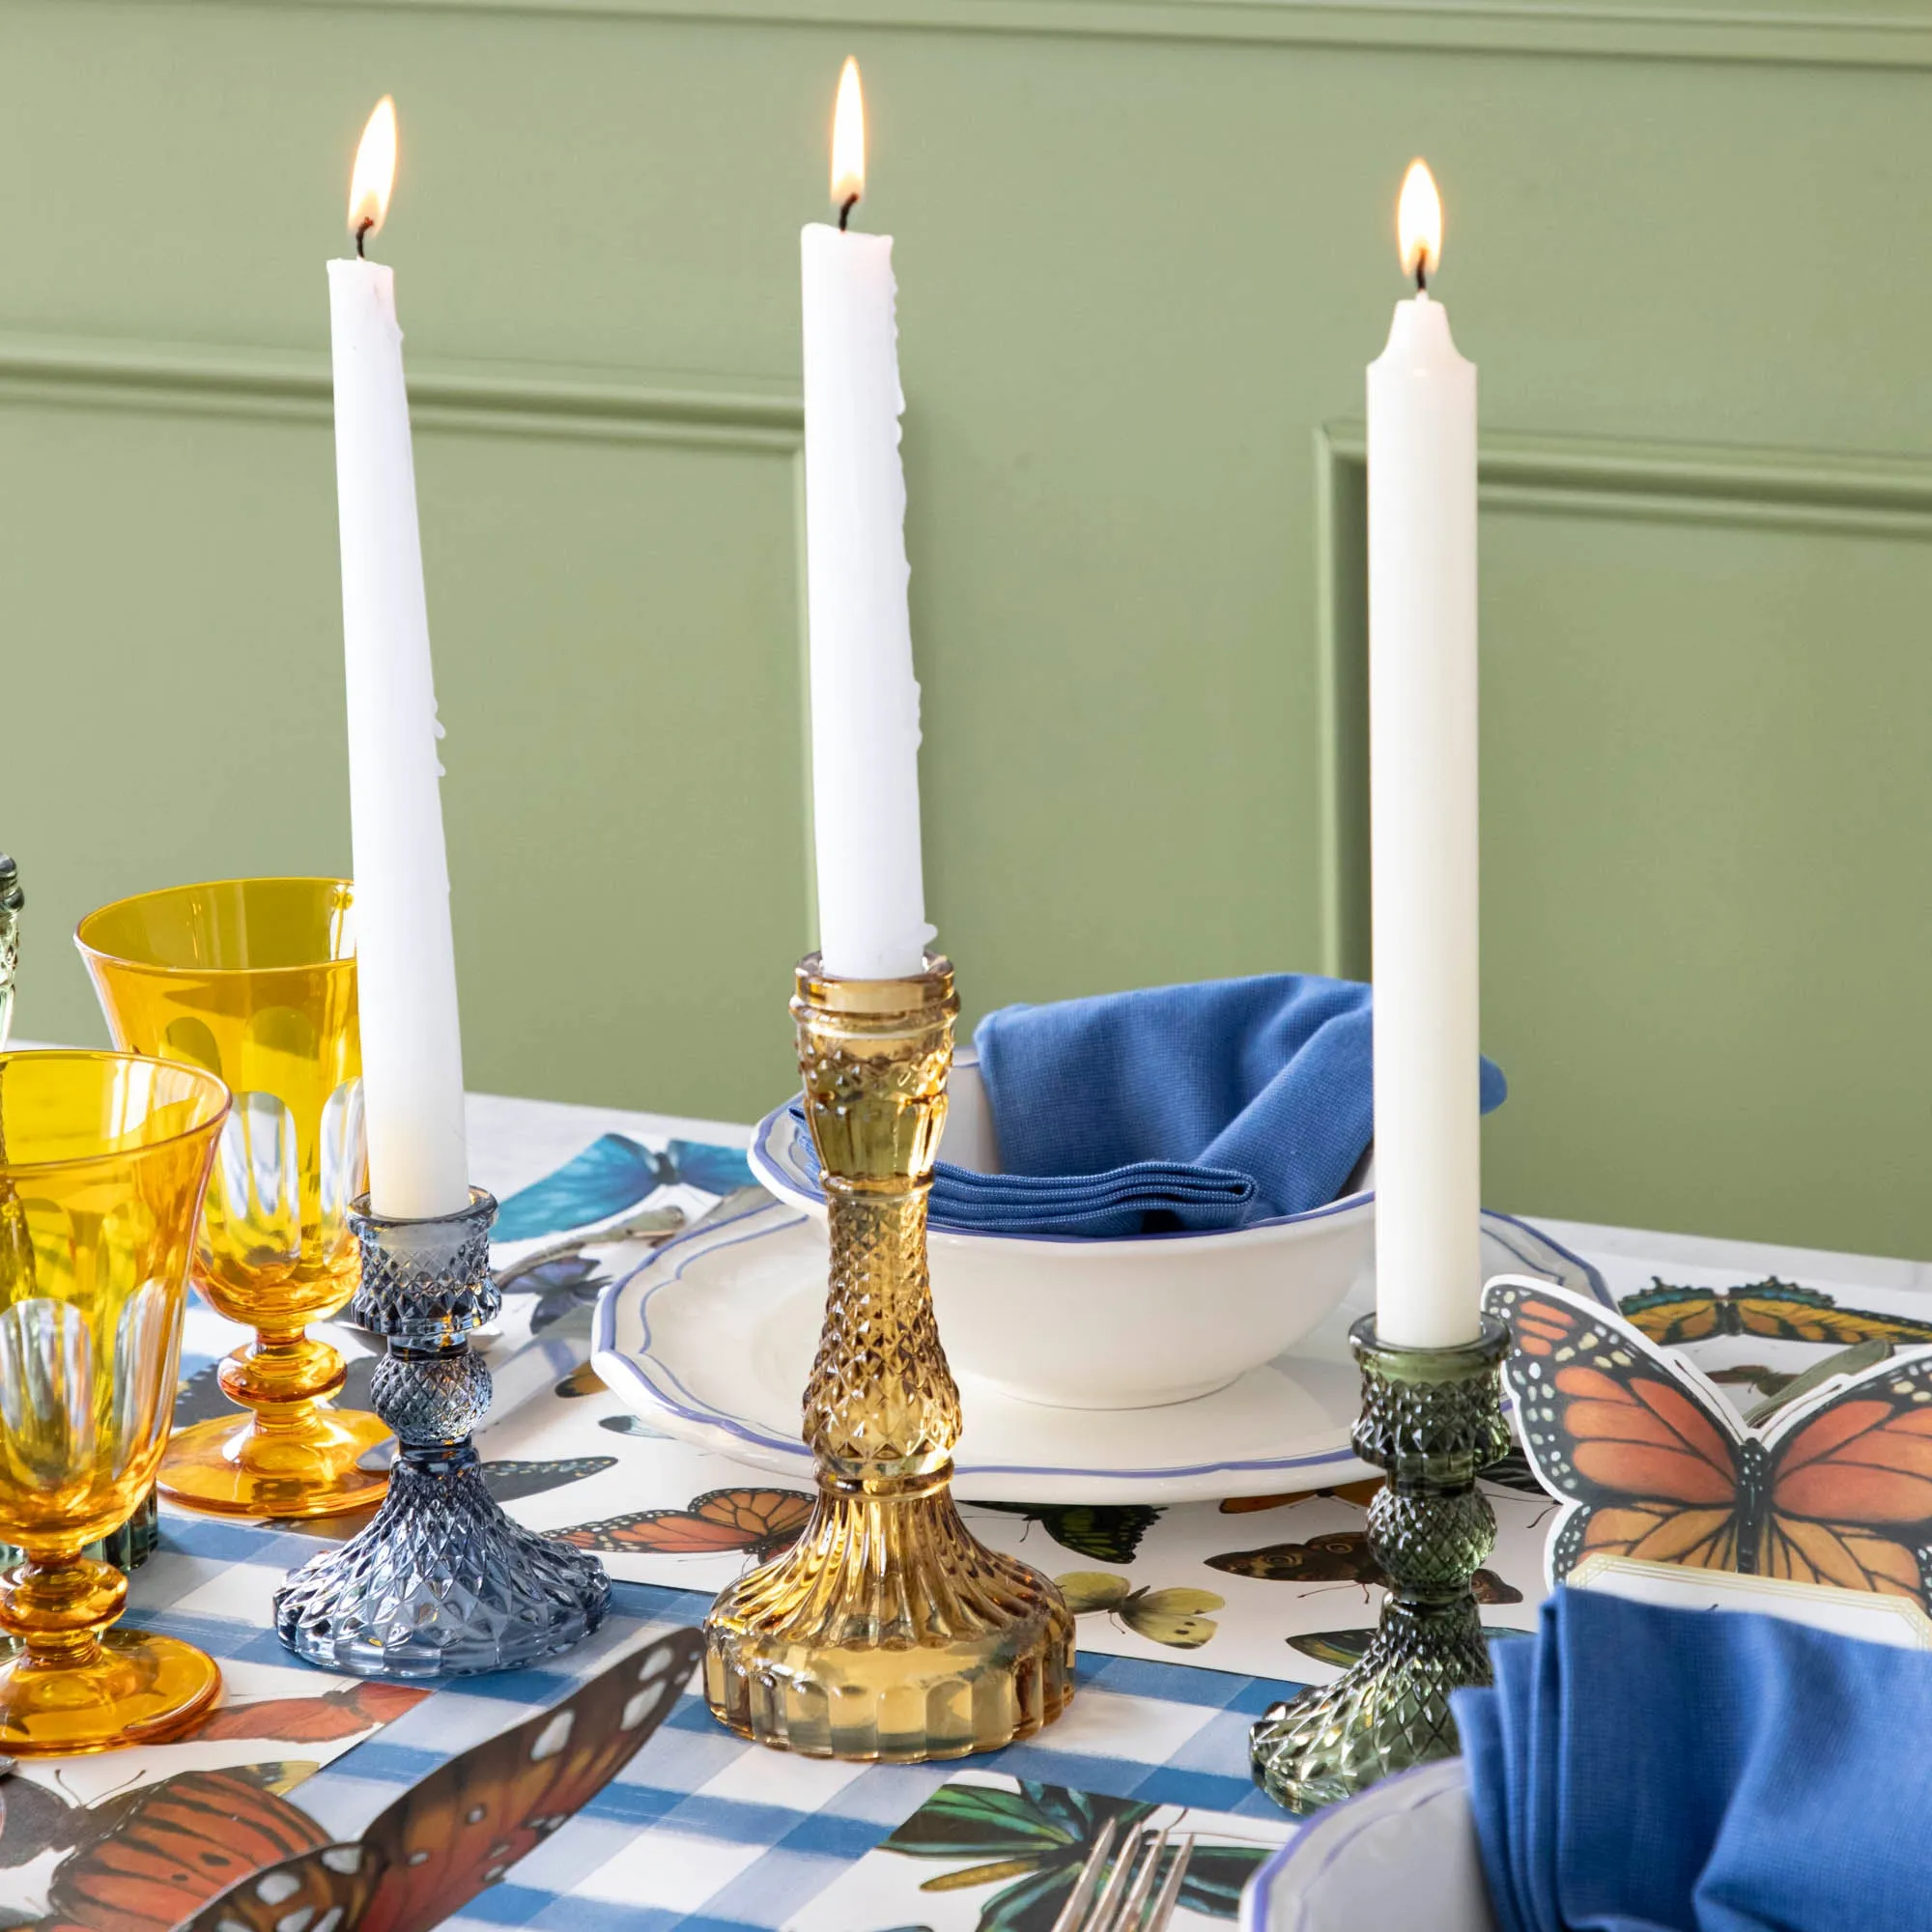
{"points": [[780, 1175], [643, 1369], [1333, 1833]]}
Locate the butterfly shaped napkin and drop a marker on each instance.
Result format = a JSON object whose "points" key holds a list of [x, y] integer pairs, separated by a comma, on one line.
{"points": [[1650, 1462]]}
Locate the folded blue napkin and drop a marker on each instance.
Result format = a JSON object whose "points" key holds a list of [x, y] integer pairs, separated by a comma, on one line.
{"points": [[1644, 1770], [1172, 1109]]}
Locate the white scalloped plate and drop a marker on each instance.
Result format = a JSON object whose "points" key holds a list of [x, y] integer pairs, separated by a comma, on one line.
{"points": [[712, 1339]]}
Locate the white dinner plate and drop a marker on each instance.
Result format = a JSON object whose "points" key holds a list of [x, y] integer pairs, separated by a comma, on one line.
{"points": [[712, 1339], [1402, 1853]]}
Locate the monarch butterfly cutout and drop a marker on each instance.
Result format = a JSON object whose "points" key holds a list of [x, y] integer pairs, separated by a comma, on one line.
{"points": [[466, 1824], [1778, 1310], [1649, 1461], [762, 1522]]}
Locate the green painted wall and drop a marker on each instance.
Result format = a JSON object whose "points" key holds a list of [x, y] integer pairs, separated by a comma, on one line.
{"points": [[1144, 250]]}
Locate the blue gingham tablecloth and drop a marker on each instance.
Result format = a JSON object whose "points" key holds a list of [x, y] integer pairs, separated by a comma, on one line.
{"points": [[700, 1832], [705, 1834]]}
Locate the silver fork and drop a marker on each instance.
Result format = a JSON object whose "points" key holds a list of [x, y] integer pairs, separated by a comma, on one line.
{"points": [[1129, 1902]]}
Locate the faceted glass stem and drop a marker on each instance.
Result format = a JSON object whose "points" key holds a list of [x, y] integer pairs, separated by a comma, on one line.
{"points": [[1430, 1418], [887, 1632]]}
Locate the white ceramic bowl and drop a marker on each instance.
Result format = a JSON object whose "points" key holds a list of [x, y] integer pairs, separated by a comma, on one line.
{"points": [[1080, 1323]]}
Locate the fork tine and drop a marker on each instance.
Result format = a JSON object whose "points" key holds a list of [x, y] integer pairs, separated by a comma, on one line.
{"points": [[1074, 1910], [1128, 1916], [1102, 1917], [1170, 1893]]}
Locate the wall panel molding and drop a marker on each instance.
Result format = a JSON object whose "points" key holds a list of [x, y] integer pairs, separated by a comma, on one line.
{"points": [[1699, 485], [496, 400], [1810, 36]]}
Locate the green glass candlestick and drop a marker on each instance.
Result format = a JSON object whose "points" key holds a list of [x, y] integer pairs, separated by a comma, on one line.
{"points": [[12, 899], [1430, 1418]]}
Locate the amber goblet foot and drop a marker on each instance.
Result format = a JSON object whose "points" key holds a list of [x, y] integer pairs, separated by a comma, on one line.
{"points": [[255, 981], [290, 1456], [75, 1686]]}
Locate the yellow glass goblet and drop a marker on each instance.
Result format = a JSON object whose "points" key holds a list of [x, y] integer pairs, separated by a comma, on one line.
{"points": [[103, 1158], [255, 981]]}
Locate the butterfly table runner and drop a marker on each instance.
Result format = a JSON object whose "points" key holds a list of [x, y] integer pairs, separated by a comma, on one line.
{"points": [[1193, 1618]]}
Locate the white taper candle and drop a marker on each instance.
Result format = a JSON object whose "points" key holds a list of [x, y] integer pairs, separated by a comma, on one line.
{"points": [[864, 699], [1423, 804], [405, 958]]}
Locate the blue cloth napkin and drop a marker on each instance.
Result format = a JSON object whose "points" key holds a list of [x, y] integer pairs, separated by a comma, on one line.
{"points": [[1172, 1109], [1644, 1770]]}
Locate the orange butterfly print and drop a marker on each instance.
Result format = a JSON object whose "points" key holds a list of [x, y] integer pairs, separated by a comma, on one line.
{"points": [[466, 1824], [1650, 1463], [304, 1720], [762, 1522], [143, 1860]]}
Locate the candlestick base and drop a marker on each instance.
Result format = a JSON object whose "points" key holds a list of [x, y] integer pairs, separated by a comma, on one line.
{"points": [[1430, 1418], [441, 1583], [887, 1632]]}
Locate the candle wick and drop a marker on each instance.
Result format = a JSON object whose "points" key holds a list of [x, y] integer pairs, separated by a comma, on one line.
{"points": [[362, 229], [845, 209], [1422, 274]]}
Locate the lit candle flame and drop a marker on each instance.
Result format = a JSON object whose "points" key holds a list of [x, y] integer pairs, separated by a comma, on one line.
{"points": [[848, 139], [375, 172], [1418, 223]]}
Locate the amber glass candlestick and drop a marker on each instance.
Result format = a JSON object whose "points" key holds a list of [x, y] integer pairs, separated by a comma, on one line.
{"points": [[886, 1632]]}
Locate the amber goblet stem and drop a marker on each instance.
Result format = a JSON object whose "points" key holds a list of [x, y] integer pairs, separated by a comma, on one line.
{"points": [[59, 1605], [279, 1377], [291, 1457], [887, 1632]]}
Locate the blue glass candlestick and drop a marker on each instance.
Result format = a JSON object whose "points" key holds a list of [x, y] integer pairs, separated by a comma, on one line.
{"points": [[441, 1583]]}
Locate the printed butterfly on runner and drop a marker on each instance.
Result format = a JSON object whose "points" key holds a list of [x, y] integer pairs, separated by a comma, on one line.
{"points": [[718, 1523], [1650, 1463], [1338, 1556], [1177, 1617], [355, 1708], [464, 1824], [1107, 1532], [1342, 1648], [1775, 1310], [137, 1861], [1361, 1493]]}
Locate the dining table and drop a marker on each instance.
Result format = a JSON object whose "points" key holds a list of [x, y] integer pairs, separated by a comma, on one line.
{"points": [[703, 1832]]}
